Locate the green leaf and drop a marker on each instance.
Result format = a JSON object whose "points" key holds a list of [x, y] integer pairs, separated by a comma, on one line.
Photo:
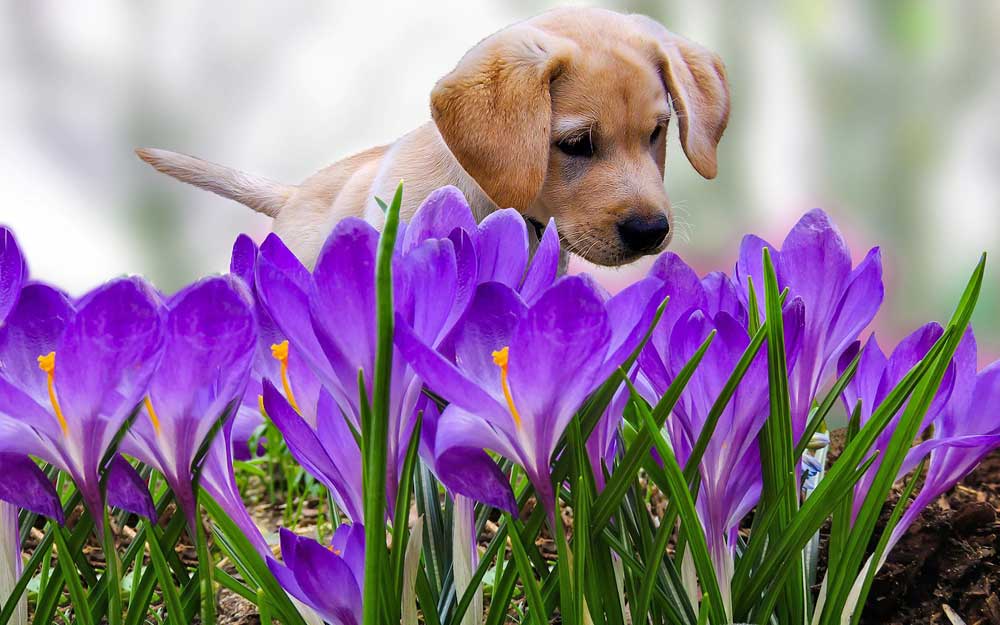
{"points": [[112, 573], [374, 449], [142, 592], [248, 562], [163, 574], [81, 603], [205, 566], [568, 610], [400, 523], [581, 547], [777, 446], [532, 591]]}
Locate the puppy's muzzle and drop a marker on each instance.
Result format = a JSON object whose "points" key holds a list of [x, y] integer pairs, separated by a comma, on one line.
{"points": [[642, 235]]}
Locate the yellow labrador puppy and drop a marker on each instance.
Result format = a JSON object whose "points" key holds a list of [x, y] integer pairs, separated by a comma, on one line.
{"points": [[563, 115]]}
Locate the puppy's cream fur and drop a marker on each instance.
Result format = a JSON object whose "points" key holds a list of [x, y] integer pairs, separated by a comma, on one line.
{"points": [[499, 119]]}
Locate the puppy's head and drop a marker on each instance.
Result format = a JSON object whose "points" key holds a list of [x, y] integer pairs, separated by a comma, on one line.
{"points": [[565, 116]]}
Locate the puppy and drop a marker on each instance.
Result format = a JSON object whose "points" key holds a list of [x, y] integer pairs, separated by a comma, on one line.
{"points": [[563, 115]]}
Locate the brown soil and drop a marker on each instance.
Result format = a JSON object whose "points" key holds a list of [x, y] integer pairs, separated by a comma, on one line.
{"points": [[949, 557]]}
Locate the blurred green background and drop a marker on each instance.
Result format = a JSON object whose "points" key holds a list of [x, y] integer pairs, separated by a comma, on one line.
{"points": [[886, 114]]}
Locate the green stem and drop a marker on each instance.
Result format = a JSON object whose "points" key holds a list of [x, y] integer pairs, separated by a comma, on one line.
{"points": [[206, 587], [113, 573]]}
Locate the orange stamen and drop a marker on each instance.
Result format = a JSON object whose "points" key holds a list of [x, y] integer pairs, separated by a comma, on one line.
{"points": [[47, 363], [152, 415], [280, 353], [500, 359]]}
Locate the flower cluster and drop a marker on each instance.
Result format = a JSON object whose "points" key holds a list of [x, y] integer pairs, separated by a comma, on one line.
{"points": [[494, 355]]}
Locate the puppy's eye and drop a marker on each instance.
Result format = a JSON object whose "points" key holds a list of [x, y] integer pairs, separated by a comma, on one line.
{"points": [[580, 145], [655, 135]]}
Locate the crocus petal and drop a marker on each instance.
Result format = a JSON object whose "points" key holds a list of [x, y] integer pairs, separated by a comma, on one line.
{"points": [[128, 491], [441, 376], [443, 211], [472, 473], [862, 298], [25, 485], [682, 286], [24, 414], [965, 385], [865, 384], [503, 247], [110, 345], [33, 329], [285, 577], [487, 326], [544, 265], [556, 354], [210, 342], [13, 272], [461, 430], [427, 280], [815, 262], [219, 483], [750, 269], [245, 426], [336, 436], [316, 570], [349, 540], [342, 300], [467, 274], [723, 296], [284, 293], [243, 259], [306, 448], [631, 313], [283, 260]]}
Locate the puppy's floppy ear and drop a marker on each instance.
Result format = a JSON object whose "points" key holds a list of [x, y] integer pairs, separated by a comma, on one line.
{"points": [[695, 78], [494, 111]]}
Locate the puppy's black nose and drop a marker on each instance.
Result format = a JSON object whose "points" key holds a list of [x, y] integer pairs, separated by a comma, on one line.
{"points": [[643, 234]]}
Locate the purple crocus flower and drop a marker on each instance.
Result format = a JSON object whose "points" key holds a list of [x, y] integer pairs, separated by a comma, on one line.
{"points": [[329, 318], [730, 467], [273, 360], [520, 374], [25, 485], [815, 264], [500, 243], [876, 376], [71, 375], [965, 431], [209, 345], [327, 579]]}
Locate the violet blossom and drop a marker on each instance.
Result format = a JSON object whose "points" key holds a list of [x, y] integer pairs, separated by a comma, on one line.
{"points": [[71, 375], [840, 301]]}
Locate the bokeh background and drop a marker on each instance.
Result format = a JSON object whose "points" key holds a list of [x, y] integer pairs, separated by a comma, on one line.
{"points": [[886, 114]]}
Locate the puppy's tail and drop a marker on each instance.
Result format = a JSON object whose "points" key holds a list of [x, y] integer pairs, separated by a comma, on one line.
{"points": [[263, 195]]}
